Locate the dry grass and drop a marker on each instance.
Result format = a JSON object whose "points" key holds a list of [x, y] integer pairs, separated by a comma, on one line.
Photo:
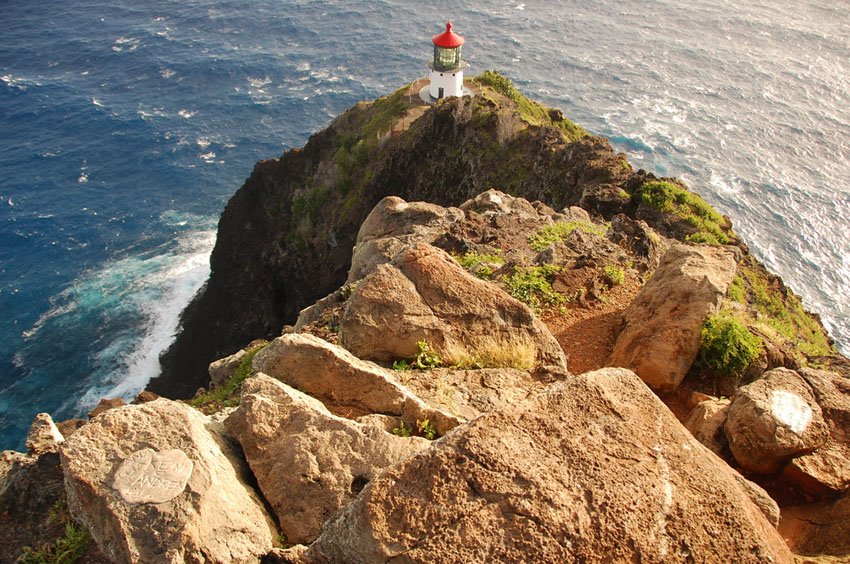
{"points": [[495, 352]]}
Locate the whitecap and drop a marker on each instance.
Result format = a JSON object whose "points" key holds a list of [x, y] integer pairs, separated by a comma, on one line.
{"points": [[185, 114], [83, 178], [520, 6], [166, 73], [97, 102], [303, 67], [202, 142]]}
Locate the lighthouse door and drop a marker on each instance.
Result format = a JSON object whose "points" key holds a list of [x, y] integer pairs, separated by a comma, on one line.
{"points": [[441, 92]]}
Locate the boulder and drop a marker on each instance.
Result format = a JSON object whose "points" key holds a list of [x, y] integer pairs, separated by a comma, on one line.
{"points": [[469, 393], [43, 435], [773, 420], [394, 223], [660, 335], [222, 369], [826, 471], [346, 385], [159, 482], [819, 529], [593, 469], [425, 295], [307, 461], [705, 422]]}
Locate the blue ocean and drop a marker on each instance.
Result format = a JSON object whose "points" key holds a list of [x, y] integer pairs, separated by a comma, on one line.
{"points": [[126, 126]]}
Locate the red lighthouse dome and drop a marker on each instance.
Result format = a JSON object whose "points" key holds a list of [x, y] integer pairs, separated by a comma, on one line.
{"points": [[448, 39]]}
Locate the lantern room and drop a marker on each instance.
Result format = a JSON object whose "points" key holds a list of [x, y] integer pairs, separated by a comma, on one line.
{"points": [[447, 66]]}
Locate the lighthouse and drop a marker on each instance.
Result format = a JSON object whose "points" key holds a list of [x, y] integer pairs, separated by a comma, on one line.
{"points": [[447, 66]]}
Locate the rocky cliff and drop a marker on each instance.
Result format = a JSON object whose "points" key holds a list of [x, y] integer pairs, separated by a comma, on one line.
{"points": [[598, 372]]}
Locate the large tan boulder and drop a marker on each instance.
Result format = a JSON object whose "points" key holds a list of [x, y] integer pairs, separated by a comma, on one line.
{"points": [[394, 223], [661, 330], [158, 482], [307, 461], [773, 420], [425, 295], [594, 469], [345, 384]]}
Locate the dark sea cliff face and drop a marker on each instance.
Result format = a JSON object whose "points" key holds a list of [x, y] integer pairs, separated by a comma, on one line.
{"points": [[285, 237]]}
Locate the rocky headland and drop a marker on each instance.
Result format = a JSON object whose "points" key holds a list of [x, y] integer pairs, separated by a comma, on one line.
{"points": [[465, 332]]}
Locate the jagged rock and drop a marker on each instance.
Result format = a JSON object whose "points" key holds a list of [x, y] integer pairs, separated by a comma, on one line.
{"points": [[43, 435], [424, 295], [819, 529], [70, 426], [30, 487], [307, 461], [391, 225], [216, 517], [705, 422], [292, 555], [494, 202], [222, 369], [594, 469], [348, 386], [145, 396], [105, 404], [772, 420], [661, 328]]}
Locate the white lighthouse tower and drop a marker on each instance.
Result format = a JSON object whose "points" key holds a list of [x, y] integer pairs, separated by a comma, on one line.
{"points": [[447, 66]]}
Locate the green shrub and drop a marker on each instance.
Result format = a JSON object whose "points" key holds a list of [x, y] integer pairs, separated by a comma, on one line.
{"points": [[427, 358], [402, 430], [532, 285], [671, 198], [227, 394], [558, 232], [65, 550], [727, 345], [426, 429], [479, 264], [614, 275]]}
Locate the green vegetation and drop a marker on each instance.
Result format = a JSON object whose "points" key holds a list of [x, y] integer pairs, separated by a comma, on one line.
{"points": [[227, 394], [670, 198], [779, 310], [402, 430], [532, 285], [614, 275], [426, 359], [532, 112], [426, 429], [65, 550], [310, 204], [479, 264], [727, 345], [558, 232]]}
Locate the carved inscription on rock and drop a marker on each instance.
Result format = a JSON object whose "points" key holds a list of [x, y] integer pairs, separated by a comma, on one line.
{"points": [[147, 476]]}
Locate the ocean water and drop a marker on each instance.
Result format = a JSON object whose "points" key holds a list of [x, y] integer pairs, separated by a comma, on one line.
{"points": [[125, 127]]}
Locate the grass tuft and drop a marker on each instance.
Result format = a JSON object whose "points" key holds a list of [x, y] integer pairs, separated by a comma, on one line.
{"points": [[227, 394], [727, 346], [558, 232], [711, 227], [532, 285]]}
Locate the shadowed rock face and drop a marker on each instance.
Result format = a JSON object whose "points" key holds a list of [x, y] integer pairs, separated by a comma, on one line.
{"points": [[594, 469]]}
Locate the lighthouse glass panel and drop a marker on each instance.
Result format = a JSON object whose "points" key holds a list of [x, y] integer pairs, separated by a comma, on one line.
{"points": [[446, 59]]}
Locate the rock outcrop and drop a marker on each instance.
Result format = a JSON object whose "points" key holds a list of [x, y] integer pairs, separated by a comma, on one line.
{"points": [[660, 335], [424, 295], [345, 384], [773, 420], [706, 422], [637, 486], [308, 462], [158, 482]]}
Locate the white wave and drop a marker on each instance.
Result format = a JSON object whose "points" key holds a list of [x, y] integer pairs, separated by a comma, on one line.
{"points": [[166, 73], [186, 114], [208, 157], [520, 6], [202, 142], [259, 82], [158, 288], [303, 67], [83, 178], [97, 102]]}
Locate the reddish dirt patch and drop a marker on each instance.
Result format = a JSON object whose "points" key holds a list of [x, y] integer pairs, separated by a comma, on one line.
{"points": [[586, 333]]}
